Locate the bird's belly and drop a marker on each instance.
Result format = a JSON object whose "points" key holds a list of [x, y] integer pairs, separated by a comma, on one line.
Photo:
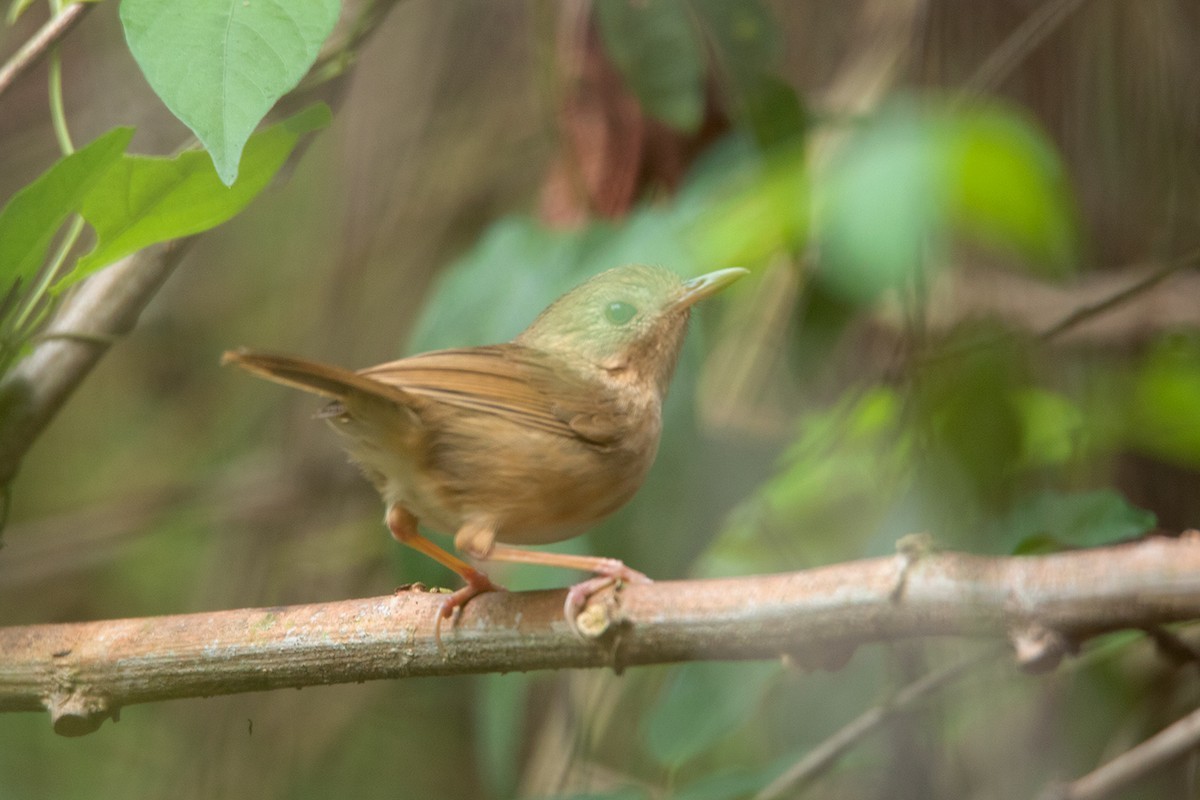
{"points": [[535, 487]]}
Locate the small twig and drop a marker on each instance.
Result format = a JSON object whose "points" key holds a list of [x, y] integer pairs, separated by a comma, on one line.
{"points": [[1173, 647], [1044, 20], [1078, 316], [1084, 313], [37, 46], [1168, 744], [824, 755]]}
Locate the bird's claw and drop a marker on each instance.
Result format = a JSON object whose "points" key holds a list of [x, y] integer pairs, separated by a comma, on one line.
{"points": [[613, 572], [477, 583]]}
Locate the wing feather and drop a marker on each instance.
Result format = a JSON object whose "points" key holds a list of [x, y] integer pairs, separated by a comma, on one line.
{"points": [[525, 386]]}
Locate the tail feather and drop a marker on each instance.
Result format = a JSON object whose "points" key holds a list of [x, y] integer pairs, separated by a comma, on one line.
{"points": [[326, 380]]}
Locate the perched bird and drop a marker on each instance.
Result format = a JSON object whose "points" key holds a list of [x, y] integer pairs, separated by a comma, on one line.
{"points": [[528, 442]]}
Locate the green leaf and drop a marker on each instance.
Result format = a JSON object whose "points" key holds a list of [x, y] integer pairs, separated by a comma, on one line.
{"points": [[728, 783], [878, 203], [16, 9], [745, 42], [703, 703], [744, 36], [1165, 405], [656, 48], [144, 200], [219, 65], [1056, 520], [761, 214], [1008, 188], [913, 180], [31, 218], [1052, 426]]}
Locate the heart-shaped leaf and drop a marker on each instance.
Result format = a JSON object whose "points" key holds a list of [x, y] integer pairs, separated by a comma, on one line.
{"points": [[219, 65]]}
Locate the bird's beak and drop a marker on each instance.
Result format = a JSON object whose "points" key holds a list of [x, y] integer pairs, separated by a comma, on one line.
{"points": [[697, 289]]}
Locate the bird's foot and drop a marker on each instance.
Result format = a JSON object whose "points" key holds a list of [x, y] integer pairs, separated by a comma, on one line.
{"points": [[477, 583], [609, 571]]}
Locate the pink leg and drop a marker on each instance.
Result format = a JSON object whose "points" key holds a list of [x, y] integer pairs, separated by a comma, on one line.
{"points": [[403, 526], [608, 571]]}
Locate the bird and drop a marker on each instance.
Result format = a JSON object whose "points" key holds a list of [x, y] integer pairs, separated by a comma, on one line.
{"points": [[528, 442]]}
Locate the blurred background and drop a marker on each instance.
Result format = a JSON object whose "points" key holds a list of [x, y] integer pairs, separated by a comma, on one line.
{"points": [[973, 312]]}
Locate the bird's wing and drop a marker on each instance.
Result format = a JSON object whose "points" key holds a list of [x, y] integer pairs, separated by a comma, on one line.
{"points": [[525, 386], [326, 380]]}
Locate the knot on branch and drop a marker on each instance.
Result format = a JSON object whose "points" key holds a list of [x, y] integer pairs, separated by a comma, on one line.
{"points": [[1040, 649], [77, 714]]}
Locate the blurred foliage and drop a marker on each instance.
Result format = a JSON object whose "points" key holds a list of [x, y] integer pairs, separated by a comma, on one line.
{"points": [[914, 177], [131, 202], [851, 392]]}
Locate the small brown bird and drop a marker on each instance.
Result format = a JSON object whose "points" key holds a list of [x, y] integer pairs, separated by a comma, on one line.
{"points": [[528, 442]]}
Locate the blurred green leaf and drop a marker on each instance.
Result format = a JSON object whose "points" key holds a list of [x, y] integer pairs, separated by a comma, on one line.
{"points": [[35, 213], [745, 42], [219, 66], [912, 179], [702, 704], [840, 477], [1164, 414], [501, 730], [775, 112], [625, 793], [1052, 520], [1052, 427], [1008, 188], [879, 203], [144, 200], [656, 48], [973, 416], [744, 36], [727, 784], [16, 9], [749, 208]]}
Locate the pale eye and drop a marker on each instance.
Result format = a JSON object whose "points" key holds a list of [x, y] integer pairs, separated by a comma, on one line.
{"points": [[619, 312]]}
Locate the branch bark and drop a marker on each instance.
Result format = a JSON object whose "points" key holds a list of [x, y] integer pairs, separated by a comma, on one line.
{"points": [[40, 43], [83, 673], [103, 308]]}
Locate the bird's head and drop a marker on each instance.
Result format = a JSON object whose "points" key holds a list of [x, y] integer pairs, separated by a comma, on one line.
{"points": [[629, 321]]}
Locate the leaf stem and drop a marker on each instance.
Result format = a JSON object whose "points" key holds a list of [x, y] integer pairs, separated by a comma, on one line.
{"points": [[58, 116], [34, 308]]}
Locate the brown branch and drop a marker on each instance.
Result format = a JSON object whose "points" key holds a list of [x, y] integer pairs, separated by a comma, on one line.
{"points": [[1165, 746], [38, 45], [819, 759], [85, 672], [104, 307]]}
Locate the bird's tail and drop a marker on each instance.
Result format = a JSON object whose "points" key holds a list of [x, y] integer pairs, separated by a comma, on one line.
{"points": [[326, 380]]}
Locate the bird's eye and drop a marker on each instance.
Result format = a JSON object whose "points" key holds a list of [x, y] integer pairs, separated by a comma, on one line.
{"points": [[619, 313]]}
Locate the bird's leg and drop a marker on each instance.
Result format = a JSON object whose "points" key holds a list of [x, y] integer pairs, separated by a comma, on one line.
{"points": [[607, 570], [403, 526]]}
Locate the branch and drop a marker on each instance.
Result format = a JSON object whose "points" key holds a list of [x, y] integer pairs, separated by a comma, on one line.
{"points": [[103, 308], [1170, 743], [37, 46], [84, 672], [818, 760]]}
